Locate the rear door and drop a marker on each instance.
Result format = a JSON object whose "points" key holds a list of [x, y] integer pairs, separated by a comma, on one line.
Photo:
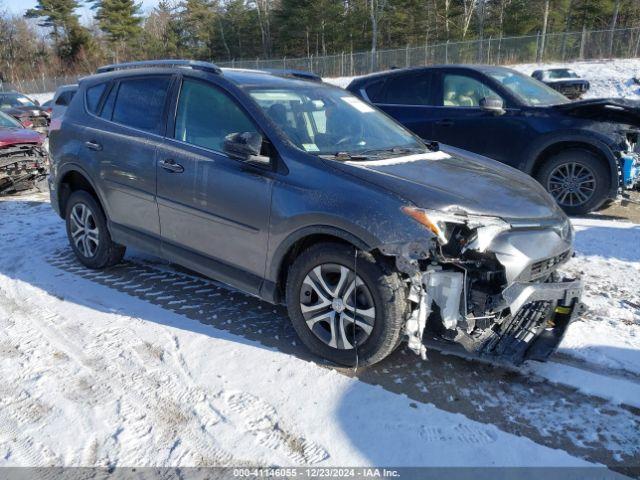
{"points": [[408, 98], [121, 138], [214, 210]]}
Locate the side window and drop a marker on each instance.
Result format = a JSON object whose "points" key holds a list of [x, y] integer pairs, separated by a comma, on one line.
{"points": [[412, 89], [92, 97], [140, 103], [375, 91], [206, 115], [463, 91]]}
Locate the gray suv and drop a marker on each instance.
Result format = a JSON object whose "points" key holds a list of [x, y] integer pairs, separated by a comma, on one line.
{"points": [[300, 193]]}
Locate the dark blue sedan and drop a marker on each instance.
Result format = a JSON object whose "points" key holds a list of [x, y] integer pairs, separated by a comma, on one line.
{"points": [[583, 153]]}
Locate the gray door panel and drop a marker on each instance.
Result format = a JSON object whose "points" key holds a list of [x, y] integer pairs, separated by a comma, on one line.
{"points": [[126, 165], [217, 207]]}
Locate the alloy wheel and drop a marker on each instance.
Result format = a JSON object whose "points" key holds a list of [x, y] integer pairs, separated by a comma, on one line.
{"points": [[84, 230], [572, 184], [337, 306]]}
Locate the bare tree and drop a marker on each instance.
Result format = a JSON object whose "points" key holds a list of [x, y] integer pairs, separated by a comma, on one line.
{"points": [[263, 8], [468, 8], [545, 22], [376, 11], [614, 23]]}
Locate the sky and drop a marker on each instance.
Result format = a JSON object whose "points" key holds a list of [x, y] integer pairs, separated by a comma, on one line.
{"points": [[20, 6]]}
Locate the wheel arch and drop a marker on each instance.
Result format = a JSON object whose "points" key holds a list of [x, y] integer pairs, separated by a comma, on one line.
{"points": [[73, 178], [542, 152], [296, 243]]}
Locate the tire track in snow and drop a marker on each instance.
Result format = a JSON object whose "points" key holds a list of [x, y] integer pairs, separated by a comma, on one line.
{"points": [[553, 415]]}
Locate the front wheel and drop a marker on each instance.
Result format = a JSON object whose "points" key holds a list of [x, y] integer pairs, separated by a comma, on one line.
{"points": [[345, 309], [577, 179]]}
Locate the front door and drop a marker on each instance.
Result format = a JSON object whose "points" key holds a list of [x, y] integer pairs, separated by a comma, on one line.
{"points": [[460, 121], [214, 210]]}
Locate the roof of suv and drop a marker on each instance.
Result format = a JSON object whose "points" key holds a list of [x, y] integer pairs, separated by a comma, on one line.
{"points": [[239, 76], [399, 71]]}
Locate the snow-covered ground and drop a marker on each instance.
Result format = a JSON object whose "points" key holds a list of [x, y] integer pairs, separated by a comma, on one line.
{"points": [[148, 365], [608, 78]]}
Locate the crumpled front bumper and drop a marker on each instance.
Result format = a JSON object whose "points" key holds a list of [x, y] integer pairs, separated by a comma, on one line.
{"points": [[541, 314]]}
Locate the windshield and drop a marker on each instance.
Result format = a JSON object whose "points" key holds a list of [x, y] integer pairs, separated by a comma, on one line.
{"points": [[8, 122], [560, 73], [530, 91], [328, 121], [15, 100]]}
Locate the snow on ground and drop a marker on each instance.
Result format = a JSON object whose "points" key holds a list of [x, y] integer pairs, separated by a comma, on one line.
{"points": [[609, 261], [608, 78], [93, 376], [147, 365]]}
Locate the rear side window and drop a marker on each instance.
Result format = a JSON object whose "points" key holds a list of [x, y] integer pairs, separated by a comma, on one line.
{"points": [[65, 97], [413, 89], [93, 97], [206, 115], [140, 103], [375, 91]]}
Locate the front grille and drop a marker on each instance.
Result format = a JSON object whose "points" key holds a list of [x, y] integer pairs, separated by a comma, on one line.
{"points": [[546, 266]]}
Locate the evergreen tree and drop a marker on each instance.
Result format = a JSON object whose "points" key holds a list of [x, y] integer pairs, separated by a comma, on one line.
{"points": [[68, 36], [120, 21]]}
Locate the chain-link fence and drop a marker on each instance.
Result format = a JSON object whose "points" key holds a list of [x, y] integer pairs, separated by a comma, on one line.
{"points": [[587, 45], [571, 46]]}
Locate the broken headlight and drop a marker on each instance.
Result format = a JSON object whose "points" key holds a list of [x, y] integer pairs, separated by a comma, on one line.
{"points": [[441, 224], [564, 230]]}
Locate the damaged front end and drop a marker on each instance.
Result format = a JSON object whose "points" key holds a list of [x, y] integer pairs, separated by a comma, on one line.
{"points": [[488, 285], [22, 166]]}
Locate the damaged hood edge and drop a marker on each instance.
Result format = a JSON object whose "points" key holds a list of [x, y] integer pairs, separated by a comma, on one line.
{"points": [[460, 182]]}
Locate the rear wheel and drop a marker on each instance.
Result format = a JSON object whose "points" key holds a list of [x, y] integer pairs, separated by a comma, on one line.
{"points": [[343, 309], [577, 179], [88, 234]]}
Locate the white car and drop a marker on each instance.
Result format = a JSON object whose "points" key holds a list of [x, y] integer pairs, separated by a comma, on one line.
{"points": [[62, 98]]}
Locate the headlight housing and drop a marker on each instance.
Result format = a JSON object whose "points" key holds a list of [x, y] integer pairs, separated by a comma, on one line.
{"points": [[564, 230], [440, 224]]}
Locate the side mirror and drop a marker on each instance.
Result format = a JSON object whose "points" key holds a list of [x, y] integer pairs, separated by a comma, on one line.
{"points": [[245, 146], [493, 105]]}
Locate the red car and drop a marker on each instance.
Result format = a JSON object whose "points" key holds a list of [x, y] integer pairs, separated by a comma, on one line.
{"points": [[23, 160]]}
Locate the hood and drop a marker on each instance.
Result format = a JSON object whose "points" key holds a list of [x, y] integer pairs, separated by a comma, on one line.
{"points": [[618, 110], [12, 136], [460, 180]]}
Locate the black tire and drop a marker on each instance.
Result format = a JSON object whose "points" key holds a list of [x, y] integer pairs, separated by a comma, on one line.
{"points": [[583, 159], [387, 292], [107, 252]]}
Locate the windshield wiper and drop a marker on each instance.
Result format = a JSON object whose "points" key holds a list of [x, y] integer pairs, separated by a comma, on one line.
{"points": [[393, 150], [345, 156]]}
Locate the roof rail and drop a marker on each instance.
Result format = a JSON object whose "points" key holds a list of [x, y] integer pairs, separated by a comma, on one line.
{"points": [[193, 64], [300, 74]]}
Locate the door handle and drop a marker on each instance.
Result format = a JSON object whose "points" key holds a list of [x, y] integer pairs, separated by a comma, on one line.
{"points": [[93, 145], [446, 122], [171, 166]]}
